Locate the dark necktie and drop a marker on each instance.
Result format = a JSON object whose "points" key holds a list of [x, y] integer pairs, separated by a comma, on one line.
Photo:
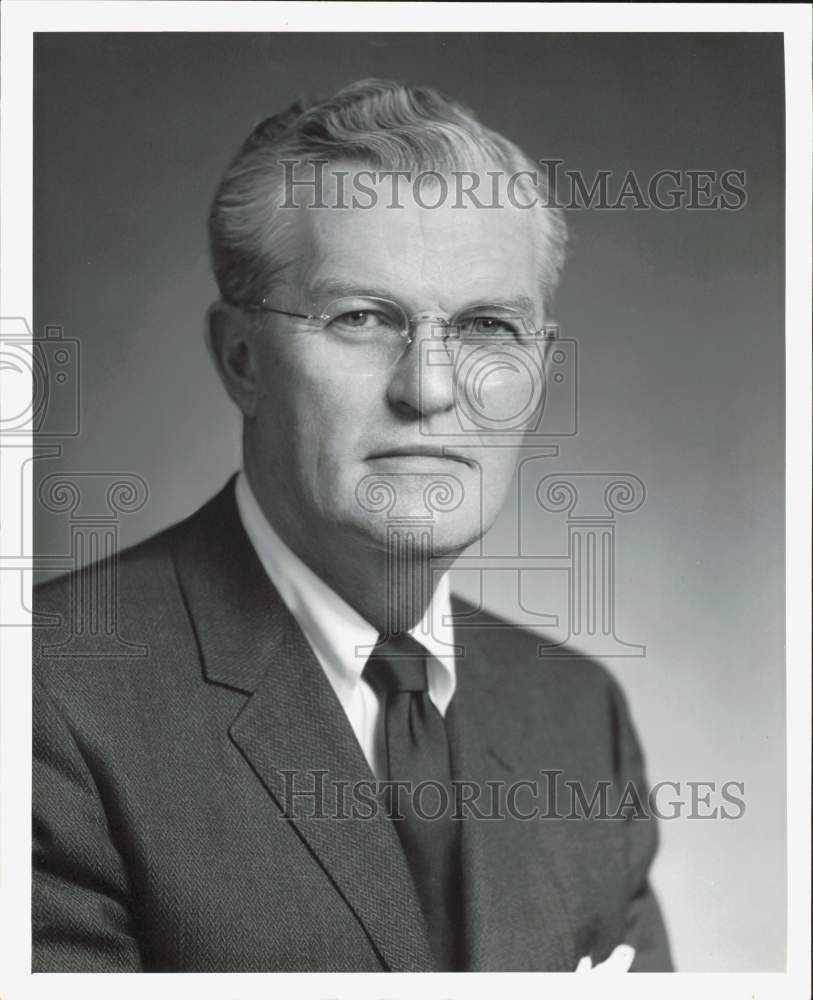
{"points": [[418, 751]]}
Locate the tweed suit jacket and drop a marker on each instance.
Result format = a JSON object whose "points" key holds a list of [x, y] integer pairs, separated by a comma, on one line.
{"points": [[166, 837]]}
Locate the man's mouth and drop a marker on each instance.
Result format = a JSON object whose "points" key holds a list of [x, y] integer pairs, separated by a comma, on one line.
{"points": [[419, 454]]}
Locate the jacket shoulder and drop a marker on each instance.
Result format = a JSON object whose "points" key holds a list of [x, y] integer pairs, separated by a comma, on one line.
{"points": [[135, 580], [142, 567], [115, 620], [512, 656]]}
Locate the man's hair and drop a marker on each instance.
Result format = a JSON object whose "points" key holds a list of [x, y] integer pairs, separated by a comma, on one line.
{"points": [[379, 123]]}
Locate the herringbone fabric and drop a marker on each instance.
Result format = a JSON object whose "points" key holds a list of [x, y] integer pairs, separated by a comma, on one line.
{"points": [[188, 811]]}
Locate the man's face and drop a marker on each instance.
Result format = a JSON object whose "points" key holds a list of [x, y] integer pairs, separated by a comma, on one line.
{"points": [[341, 441]]}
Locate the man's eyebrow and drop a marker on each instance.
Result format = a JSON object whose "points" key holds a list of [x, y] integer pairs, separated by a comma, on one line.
{"points": [[340, 288], [521, 302]]}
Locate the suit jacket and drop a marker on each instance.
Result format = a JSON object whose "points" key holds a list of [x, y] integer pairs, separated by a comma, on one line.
{"points": [[164, 835]]}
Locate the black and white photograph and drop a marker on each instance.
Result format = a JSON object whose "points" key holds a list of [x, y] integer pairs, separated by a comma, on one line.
{"points": [[406, 487]]}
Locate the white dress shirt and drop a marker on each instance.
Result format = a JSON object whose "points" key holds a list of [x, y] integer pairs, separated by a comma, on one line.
{"points": [[340, 637]]}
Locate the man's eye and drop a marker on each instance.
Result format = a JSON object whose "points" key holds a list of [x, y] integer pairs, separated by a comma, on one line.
{"points": [[489, 326], [362, 322], [360, 318]]}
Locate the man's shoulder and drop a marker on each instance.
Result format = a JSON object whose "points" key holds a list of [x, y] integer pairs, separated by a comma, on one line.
{"points": [[141, 567], [122, 616], [514, 661], [144, 569]]}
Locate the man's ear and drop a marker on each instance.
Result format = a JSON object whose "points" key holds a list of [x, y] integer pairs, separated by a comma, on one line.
{"points": [[230, 339]]}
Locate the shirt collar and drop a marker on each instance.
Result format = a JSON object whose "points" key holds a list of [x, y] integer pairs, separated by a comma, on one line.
{"points": [[338, 634]]}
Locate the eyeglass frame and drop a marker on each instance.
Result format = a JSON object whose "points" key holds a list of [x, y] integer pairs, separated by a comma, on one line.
{"points": [[547, 330]]}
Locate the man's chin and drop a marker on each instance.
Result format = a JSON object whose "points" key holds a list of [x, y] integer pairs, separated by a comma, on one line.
{"points": [[442, 536], [419, 514]]}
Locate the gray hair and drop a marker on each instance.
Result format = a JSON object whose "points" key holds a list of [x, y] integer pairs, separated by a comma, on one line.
{"points": [[383, 124]]}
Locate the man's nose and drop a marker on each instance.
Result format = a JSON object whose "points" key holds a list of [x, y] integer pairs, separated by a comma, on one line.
{"points": [[423, 378]]}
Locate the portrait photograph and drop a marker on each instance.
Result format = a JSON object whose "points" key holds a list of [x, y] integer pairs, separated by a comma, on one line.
{"points": [[406, 487]]}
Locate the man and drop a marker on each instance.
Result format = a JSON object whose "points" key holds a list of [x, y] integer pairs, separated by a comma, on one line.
{"points": [[251, 796]]}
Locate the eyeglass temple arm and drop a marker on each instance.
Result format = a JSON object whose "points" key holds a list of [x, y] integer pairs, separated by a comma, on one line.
{"points": [[263, 307]]}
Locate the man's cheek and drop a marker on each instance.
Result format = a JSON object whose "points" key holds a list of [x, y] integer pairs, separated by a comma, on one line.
{"points": [[498, 467]]}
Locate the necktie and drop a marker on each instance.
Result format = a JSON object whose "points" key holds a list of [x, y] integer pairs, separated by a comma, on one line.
{"points": [[417, 751]]}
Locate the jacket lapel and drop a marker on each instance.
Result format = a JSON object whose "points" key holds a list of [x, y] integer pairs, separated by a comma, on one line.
{"points": [[292, 730], [515, 875]]}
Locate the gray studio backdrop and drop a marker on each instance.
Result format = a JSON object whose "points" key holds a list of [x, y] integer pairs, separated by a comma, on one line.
{"points": [[678, 316]]}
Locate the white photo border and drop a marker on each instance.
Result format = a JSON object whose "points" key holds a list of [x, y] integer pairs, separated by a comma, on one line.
{"points": [[21, 19]]}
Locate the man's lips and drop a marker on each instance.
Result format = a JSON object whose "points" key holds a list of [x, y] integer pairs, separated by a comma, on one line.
{"points": [[422, 451]]}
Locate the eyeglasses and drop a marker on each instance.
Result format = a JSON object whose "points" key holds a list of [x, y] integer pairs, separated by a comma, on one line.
{"points": [[376, 332]]}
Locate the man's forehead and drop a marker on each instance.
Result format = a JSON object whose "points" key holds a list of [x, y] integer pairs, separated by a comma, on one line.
{"points": [[421, 233], [359, 198]]}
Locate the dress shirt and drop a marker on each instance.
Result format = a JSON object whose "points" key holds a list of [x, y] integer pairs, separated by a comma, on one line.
{"points": [[340, 637]]}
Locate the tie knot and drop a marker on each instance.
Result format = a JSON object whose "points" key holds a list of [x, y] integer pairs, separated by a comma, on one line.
{"points": [[397, 664]]}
